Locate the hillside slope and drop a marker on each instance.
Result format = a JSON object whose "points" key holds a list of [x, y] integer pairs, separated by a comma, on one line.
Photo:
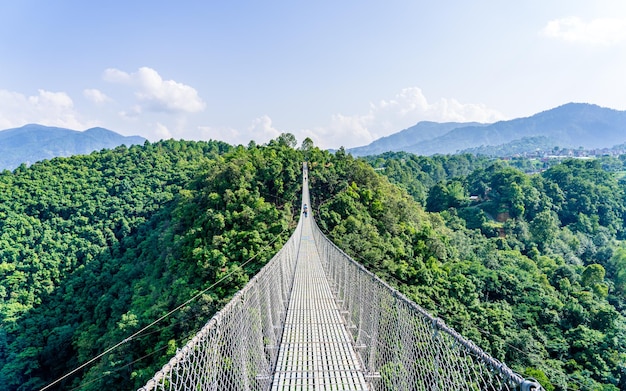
{"points": [[95, 247], [532, 268], [422, 131]]}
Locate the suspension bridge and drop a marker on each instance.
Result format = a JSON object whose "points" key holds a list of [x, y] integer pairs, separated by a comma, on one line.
{"points": [[314, 319]]}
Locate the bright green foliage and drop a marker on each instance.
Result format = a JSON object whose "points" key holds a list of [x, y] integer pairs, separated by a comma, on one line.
{"points": [[446, 195], [590, 197], [530, 285], [418, 174], [92, 248], [96, 247], [617, 268]]}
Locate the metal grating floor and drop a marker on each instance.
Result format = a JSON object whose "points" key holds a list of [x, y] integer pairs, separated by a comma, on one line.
{"points": [[316, 352]]}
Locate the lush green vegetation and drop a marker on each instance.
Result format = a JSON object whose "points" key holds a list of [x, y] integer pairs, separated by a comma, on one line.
{"points": [[531, 267], [93, 248], [522, 147]]}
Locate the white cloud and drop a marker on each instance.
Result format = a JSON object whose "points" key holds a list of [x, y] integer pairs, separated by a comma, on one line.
{"points": [[261, 130], [113, 75], [388, 116], [226, 134], [96, 96], [45, 108], [380, 119], [156, 94], [47, 100], [161, 132], [131, 113], [600, 31]]}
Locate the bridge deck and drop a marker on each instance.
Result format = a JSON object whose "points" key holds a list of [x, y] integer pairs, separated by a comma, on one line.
{"points": [[316, 352]]}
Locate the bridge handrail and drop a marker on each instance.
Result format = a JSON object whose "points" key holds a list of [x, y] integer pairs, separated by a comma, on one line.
{"points": [[237, 347], [379, 316]]}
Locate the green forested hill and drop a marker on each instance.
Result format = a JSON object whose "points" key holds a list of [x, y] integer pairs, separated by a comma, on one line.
{"points": [[93, 248], [532, 268]]}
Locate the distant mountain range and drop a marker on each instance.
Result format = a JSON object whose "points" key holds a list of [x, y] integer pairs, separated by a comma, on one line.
{"points": [[572, 125], [32, 143]]}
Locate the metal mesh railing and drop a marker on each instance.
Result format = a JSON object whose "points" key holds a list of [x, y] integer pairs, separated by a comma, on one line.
{"points": [[237, 348], [401, 345]]}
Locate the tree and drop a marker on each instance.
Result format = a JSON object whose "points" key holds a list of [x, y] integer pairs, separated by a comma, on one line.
{"points": [[307, 144], [307, 148], [618, 269], [544, 228], [446, 195], [593, 274], [287, 140], [437, 199]]}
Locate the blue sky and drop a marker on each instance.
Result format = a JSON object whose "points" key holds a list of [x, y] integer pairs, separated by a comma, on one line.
{"points": [[343, 73]]}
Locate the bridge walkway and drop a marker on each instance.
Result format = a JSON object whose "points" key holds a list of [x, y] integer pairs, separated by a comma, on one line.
{"points": [[316, 350]]}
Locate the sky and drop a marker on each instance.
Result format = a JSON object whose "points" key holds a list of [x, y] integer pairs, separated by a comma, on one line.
{"points": [[343, 73]]}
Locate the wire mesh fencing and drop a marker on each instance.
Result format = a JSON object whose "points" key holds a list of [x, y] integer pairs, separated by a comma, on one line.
{"points": [[237, 348], [400, 344]]}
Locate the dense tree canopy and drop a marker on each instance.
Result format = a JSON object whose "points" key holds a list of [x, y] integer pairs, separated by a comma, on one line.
{"points": [[534, 270], [532, 267], [95, 247]]}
